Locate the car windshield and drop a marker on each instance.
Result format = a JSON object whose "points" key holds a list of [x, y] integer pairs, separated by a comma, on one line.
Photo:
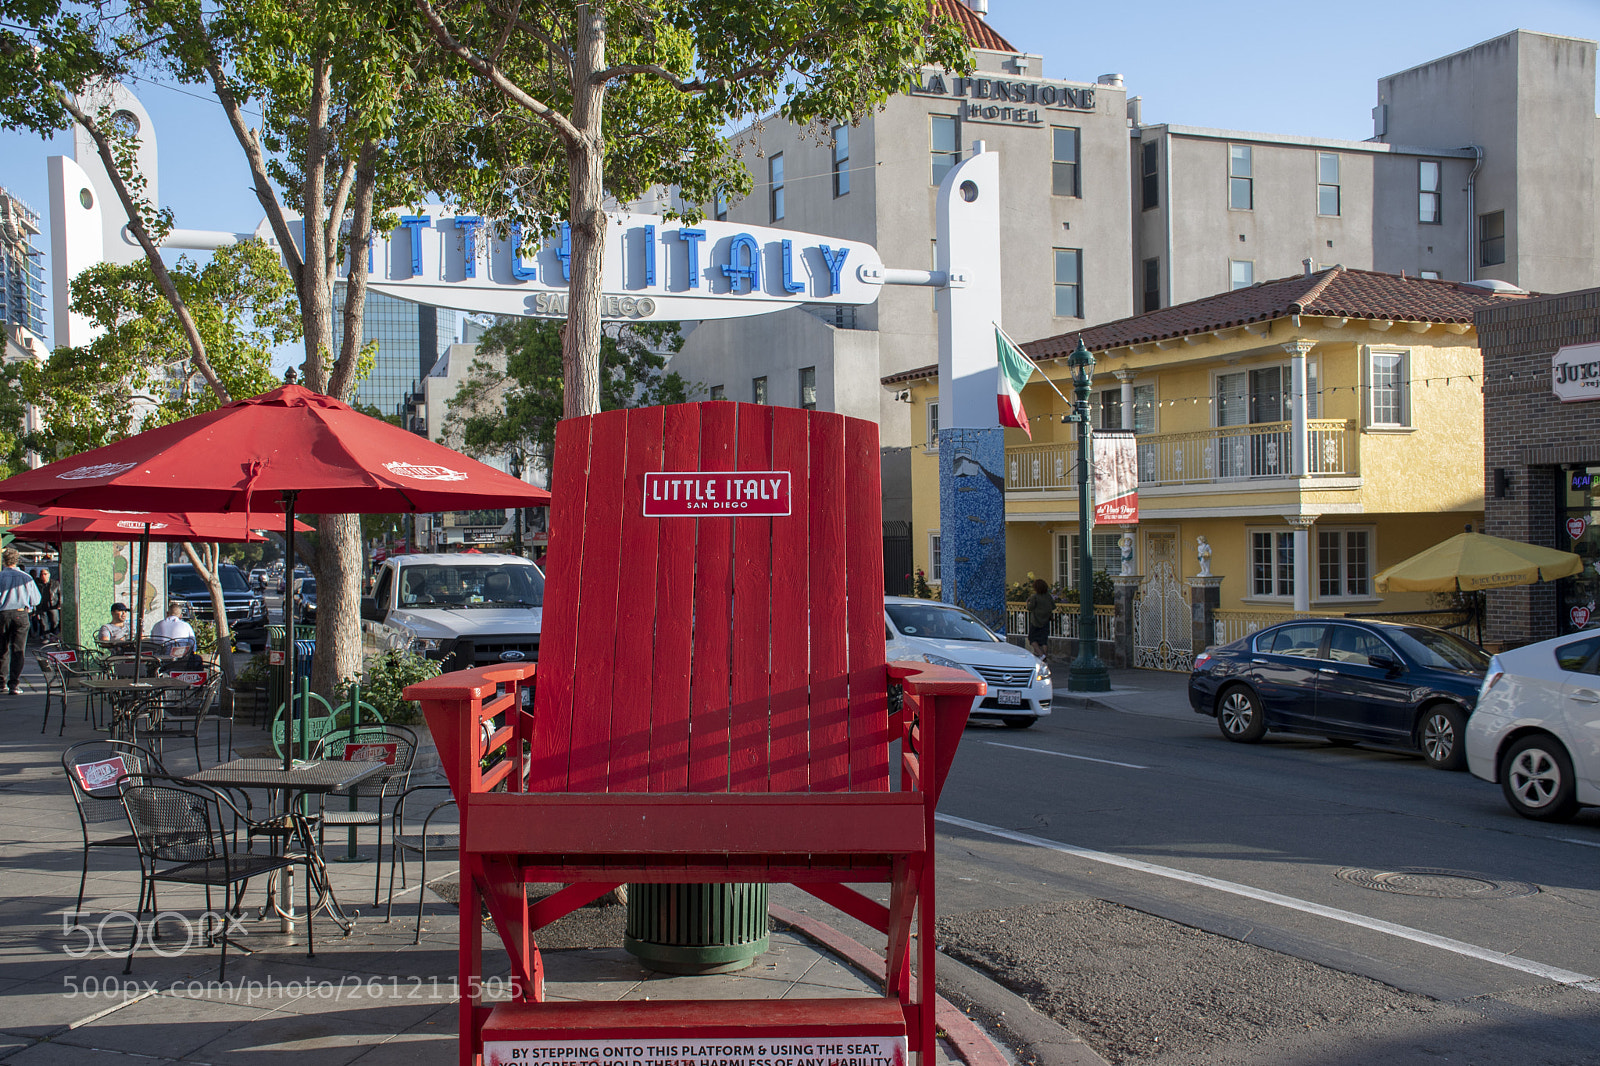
{"points": [[484, 585], [1440, 650], [183, 581], [938, 623]]}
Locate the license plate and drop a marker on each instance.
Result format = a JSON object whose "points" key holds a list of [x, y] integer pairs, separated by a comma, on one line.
{"points": [[1008, 697]]}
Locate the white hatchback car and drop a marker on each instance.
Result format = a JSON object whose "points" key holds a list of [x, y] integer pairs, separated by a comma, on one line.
{"points": [[1536, 728], [946, 635]]}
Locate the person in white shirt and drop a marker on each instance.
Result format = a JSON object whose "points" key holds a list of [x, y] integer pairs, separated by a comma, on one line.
{"points": [[178, 633]]}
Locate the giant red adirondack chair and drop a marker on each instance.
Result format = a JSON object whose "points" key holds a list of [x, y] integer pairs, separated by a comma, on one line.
{"points": [[710, 707]]}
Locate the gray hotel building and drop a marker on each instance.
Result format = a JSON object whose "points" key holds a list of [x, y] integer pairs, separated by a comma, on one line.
{"points": [[1481, 166]]}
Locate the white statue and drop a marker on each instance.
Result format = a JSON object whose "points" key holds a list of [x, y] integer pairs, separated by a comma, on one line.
{"points": [[1203, 550], [1125, 542]]}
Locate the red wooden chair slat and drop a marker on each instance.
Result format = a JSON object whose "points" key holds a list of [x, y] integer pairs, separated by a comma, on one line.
{"points": [[709, 720], [597, 604], [631, 689], [558, 644], [789, 729], [869, 705], [753, 651], [674, 611], [830, 708]]}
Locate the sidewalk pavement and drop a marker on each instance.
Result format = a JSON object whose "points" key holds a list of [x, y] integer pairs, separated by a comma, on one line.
{"points": [[1159, 693], [370, 997]]}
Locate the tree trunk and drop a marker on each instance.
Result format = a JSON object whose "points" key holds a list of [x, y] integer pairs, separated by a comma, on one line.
{"points": [[580, 342], [338, 603], [205, 562]]}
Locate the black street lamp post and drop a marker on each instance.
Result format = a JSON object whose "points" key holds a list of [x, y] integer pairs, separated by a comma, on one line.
{"points": [[1087, 672]]}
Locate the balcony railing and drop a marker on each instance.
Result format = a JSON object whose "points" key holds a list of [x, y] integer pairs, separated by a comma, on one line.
{"points": [[1232, 453]]}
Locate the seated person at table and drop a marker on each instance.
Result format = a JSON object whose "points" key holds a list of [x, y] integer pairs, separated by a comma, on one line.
{"points": [[178, 633], [116, 631]]}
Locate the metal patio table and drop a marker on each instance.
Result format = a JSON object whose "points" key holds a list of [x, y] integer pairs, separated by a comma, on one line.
{"points": [[319, 776], [129, 697]]}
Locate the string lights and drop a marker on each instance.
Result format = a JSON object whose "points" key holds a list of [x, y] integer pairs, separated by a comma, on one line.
{"points": [[1281, 397]]}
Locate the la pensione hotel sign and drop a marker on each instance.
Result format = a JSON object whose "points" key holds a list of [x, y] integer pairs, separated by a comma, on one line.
{"points": [[998, 99]]}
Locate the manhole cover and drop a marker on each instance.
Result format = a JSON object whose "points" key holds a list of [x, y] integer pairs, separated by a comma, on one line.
{"points": [[1438, 884]]}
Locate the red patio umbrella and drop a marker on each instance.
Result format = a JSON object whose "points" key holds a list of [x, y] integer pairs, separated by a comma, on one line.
{"points": [[60, 524], [286, 450]]}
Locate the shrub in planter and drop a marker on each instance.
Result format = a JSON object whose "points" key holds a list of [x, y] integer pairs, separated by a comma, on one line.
{"points": [[385, 679]]}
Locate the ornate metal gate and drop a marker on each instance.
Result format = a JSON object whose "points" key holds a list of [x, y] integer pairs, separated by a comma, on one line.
{"points": [[1163, 635]]}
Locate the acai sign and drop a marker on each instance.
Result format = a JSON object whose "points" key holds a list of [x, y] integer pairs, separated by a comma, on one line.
{"points": [[654, 268], [1575, 373]]}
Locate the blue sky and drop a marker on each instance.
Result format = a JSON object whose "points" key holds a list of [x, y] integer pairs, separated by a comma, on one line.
{"points": [[1267, 67]]}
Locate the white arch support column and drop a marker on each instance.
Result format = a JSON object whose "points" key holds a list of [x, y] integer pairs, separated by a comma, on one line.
{"points": [[1298, 350], [1303, 561]]}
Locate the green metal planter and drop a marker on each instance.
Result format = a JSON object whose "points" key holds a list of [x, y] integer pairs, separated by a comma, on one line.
{"points": [[696, 929]]}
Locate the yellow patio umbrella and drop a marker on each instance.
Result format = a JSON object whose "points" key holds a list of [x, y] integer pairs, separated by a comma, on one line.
{"points": [[1470, 561]]}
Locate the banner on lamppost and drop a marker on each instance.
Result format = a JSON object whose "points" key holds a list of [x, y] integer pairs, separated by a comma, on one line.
{"points": [[1116, 477]]}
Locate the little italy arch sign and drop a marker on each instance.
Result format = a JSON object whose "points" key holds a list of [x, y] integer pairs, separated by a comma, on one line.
{"points": [[654, 268]]}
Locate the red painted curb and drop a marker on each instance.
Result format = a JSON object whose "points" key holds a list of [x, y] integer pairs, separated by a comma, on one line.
{"points": [[971, 1043]]}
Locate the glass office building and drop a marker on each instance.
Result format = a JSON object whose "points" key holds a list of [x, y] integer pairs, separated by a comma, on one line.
{"points": [[410, 337]]}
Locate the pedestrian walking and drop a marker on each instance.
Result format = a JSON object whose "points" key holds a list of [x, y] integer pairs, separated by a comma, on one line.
{"points": [[1041, 607], [19, 595], [47, 616]]}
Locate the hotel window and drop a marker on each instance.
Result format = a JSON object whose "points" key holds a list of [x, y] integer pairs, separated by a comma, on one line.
{"points": [[1149, 174], [945, 139], [1428, 204], [718, 392], [1272, 564], [1103, 549], [808, 388], [1388, 399], [1241, 273], [1069, 282], [758, 390], [1492, 238], [1144, 408], [1343, 563], [1152, 284], [1064, 170], [719, 207], [935, 565], [1241, 182], [933, 427], [1108, 412], [841, 160], [1327, 184], [775, 176]]}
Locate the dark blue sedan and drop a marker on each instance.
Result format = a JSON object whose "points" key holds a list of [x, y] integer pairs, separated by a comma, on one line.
{"points": [[1393, 685]]}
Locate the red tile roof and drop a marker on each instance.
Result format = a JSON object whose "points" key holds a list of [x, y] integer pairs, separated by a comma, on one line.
{"points": [[1337, 292], [979, 33]]}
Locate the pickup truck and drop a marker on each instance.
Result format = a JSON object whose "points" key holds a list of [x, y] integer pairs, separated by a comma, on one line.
{"points": [[465, 609]]}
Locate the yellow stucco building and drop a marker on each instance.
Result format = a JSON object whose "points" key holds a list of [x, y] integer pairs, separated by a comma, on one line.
{"points": [[1314, 430]]}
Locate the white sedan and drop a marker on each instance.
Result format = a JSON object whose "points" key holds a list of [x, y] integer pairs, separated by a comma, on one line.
{"points": [[946, 635], [1536, 728]]}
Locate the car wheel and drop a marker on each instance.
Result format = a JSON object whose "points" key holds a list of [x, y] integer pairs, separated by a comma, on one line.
{"points": [[1442, 737], [1018, 721], [1536, 776], [1239, 715]]}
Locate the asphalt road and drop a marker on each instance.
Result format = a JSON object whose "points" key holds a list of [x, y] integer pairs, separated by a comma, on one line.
{"points": [[1174, 898]]}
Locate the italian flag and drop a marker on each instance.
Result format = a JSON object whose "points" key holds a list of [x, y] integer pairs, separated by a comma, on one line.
{"points": [[1015, 370]]}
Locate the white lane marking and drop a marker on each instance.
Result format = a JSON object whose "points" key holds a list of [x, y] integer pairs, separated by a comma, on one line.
{"points": [[1585, 843], [1444, 943], [1064, 755]]}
